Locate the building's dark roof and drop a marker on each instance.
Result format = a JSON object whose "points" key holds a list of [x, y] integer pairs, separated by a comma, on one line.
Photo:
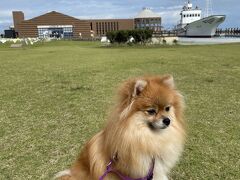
{"points": [[52, 14]]}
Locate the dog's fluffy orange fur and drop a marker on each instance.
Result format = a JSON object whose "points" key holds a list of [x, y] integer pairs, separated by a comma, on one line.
{"points": [[135, 133]]}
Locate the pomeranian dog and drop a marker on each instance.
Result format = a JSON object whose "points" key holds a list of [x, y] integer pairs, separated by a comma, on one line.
{"points": [[143, 137]]}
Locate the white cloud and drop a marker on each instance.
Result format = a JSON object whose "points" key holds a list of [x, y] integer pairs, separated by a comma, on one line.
{"points": [[67, 2], [108, 16], [179, 7], [90, 9], [170, 18], [6, 21], [5, 13]]}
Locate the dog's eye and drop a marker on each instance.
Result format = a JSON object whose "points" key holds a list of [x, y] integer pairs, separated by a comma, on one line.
{"points": [[167, 108], [151, 112]]}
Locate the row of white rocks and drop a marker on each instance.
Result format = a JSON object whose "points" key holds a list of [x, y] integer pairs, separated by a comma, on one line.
{"points": [[26, 41]]}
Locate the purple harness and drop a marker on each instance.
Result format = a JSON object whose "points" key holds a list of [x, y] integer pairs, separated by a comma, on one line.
{"points": [[111, 170]]}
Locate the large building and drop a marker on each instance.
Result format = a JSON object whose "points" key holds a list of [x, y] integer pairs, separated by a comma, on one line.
{"points": [[99, 27], [50, 24], [55, 24], [148, 19]]}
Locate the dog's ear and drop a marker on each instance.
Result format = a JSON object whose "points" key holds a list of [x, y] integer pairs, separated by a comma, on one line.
{"points": [[130, 89], [169, 81], [139, 87]]}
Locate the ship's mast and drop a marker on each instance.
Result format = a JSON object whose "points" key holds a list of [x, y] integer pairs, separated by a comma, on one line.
{"points": [[187, 2], [208, 10]]}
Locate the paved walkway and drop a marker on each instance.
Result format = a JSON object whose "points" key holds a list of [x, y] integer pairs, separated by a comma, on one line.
{"points": [[202, 41]]}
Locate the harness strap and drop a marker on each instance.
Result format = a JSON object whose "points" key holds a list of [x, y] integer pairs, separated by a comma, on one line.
{"points": [[111, 170]]}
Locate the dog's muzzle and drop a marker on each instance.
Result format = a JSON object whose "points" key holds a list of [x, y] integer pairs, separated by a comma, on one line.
{"points": [[160, 124]]}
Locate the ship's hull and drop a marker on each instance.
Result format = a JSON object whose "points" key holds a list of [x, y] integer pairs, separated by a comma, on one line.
{"points": [[205, 27]]}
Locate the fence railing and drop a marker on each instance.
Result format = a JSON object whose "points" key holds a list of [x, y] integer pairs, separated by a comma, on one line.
{"points": [[228, 32], [165, 33]]}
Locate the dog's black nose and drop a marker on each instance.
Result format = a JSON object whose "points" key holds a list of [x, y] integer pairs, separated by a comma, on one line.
{"points": [[166, 121]]}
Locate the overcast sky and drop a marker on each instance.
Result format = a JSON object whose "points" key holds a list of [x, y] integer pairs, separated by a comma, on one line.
{"points": [[89, 9]]}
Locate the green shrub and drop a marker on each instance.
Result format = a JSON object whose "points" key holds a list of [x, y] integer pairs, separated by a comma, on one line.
{"points": [[123, 36], [164, 41], [136, 35], [175, 41], [111, 36]]}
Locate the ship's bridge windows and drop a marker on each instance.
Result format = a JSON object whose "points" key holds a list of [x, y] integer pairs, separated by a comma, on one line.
{"points": [[190, 15]]}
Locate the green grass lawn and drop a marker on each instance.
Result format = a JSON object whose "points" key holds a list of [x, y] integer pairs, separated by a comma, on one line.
{"points": [[55, 96]]}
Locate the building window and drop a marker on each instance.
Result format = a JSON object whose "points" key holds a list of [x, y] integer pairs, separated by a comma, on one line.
{"points": [[64, 31], [91, 26], [103, 30], [148, 23], [111, 26], [108, 26], [97, 27], [105, 27], [114, 26], [100, 28]]}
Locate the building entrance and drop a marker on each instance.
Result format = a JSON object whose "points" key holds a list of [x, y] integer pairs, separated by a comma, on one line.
{"points": [[55, 31]]}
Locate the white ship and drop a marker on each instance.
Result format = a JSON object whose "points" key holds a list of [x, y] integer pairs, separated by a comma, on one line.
{"points": [[193, 25]]}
